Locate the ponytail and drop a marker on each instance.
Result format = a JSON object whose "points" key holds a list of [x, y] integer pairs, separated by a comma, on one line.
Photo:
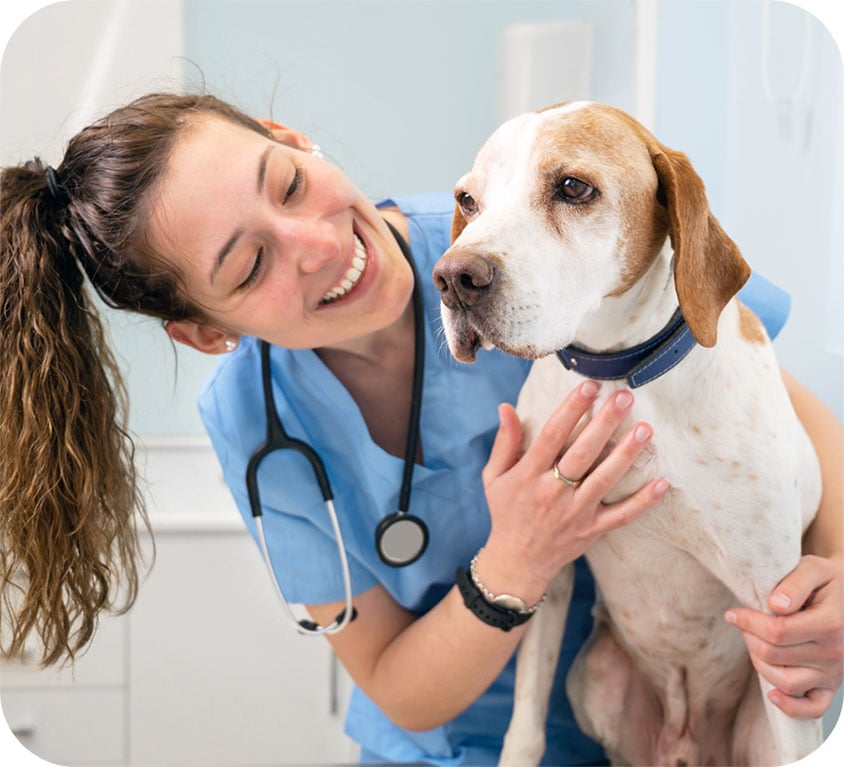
{"points": [[70, 506], [69, 497]]}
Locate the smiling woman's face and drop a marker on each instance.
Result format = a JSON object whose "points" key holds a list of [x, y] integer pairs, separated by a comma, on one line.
{"points": [[274, 242]]}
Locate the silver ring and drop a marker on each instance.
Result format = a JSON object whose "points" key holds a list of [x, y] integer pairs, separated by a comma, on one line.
{"points": [[566, 480]]}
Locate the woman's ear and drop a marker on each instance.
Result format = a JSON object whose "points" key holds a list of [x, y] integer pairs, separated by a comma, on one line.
{"points": [[204, 338], [285, 135]]}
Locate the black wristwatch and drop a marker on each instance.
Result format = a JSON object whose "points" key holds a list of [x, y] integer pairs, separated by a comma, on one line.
{"points": [[504, 613]]}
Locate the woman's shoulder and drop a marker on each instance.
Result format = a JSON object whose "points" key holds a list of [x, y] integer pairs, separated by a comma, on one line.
{"points": [[423, 204], [769, 302], [428, 218]]}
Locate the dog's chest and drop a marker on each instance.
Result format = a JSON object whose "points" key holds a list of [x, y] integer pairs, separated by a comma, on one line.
{"points": [[732, 514]]}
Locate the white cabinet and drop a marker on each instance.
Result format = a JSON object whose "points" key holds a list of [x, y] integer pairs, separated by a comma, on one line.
{"points": [[217, 676], [205, 669], [77, 716], [69, 726]]}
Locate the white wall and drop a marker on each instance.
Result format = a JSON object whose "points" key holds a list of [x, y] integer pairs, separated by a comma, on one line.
{"points": [[65, 65], [778, 194]]}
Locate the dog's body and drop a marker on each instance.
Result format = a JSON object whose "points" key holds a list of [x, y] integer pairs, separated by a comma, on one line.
{"points": [[581, 229]]}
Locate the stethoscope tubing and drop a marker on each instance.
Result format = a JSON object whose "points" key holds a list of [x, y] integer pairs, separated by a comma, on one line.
{"points": [[308, 628], [278, 439]]}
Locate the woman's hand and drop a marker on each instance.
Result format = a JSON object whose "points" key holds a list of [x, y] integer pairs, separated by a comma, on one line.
{"points": [[800, 649], [540, 523]]}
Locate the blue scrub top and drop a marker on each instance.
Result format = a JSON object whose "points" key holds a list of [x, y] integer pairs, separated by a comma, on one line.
{"points": [[458, 424]]}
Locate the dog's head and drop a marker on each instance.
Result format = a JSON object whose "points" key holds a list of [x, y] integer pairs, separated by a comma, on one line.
{"points": [[564, 208]]}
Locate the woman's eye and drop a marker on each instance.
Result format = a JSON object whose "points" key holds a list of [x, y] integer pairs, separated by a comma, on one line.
{"points": [[572, 189], [255, 273], [467, 203], [294, 184]]}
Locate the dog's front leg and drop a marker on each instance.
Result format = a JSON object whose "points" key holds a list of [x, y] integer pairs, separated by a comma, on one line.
{"points": [[524, 743], [794, 739]]}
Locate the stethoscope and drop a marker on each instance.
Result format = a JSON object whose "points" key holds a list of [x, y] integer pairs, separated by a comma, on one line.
{"points": [[400, 538]]}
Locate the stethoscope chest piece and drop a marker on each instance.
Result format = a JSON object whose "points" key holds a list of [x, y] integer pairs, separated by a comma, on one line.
{"points": [[400, 539]]}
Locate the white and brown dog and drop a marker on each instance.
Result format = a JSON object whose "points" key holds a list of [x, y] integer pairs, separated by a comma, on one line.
{"points": [[577, 230]]}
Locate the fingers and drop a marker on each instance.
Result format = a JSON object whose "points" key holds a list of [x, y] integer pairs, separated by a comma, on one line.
{"points": [[587, 449], [506, 446], [609, 472], [800, 653], [796, 589], [614, 515], [580, 456], [558, 428], [806, 653], [812, 705], [774, 629], [791, 680]]}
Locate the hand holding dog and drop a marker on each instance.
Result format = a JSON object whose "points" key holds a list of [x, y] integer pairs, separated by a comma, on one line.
{"points": [[800, 648], [539, 523]]}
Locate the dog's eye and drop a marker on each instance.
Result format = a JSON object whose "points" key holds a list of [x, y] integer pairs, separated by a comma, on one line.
{"points": [[572, 189], [467, 203]]}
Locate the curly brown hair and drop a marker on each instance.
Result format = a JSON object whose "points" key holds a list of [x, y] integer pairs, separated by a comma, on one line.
{"points": [[70, 503]]}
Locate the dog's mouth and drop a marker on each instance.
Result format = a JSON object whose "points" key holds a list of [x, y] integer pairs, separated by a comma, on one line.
{"points": [[466, 333], [464, 339]]}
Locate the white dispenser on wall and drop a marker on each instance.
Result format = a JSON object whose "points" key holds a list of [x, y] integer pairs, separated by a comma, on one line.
{"points": [[541, 63]]}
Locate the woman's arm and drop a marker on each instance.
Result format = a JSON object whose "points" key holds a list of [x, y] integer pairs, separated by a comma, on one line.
{"points": [[800, 648], [825, 536], [424, 671]]}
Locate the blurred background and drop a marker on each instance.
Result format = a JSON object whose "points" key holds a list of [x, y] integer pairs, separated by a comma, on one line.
{"points": [[400, 94]]}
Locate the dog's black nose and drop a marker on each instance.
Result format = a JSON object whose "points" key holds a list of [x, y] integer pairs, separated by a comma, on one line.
{"points": [[463, 278]]}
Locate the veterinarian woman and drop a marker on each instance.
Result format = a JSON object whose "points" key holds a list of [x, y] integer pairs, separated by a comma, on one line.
{"points": [[231, 231]]}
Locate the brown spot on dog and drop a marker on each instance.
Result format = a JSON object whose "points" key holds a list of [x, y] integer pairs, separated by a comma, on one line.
{"points": [[750, 327]]}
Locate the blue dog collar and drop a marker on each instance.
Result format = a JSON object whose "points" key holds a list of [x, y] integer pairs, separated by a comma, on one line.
{"points": [[639, 365]]}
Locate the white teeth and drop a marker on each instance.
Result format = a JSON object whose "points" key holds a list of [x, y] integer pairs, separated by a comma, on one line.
{"points": [[352, 275]]}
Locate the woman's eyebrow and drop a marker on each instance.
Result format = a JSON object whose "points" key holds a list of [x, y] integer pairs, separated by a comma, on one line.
{"points": [[262, 167], [232, 241]]}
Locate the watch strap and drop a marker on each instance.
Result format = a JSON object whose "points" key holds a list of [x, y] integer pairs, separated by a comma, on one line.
{"points": [[493, 615]]}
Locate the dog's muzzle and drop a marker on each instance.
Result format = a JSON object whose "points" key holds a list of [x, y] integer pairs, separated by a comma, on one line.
{"points": [[466, 282]]}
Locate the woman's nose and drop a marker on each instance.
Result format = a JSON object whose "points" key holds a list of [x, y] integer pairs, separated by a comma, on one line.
{"points": [[315, 243]]}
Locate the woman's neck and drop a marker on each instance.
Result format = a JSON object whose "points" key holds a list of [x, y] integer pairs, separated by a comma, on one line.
{"points": [[378, 348], [377, 371]]}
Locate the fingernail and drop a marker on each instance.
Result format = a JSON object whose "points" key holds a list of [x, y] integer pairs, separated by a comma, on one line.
{"points": [[781, 600], [661, 487], [642, 433], [775, 698], [730, 617], [589, 388], [624, 399]]}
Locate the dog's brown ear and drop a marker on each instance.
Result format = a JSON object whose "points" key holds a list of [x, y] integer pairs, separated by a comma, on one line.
{"points": [[458, 223], [708, 267]]}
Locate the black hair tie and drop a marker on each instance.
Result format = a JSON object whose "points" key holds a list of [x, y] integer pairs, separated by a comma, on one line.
{"points": [[57, 191]]}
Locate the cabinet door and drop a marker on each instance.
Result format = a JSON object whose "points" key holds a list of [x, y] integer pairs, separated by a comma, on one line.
{"points": [[70, 715], [217, 674], [69, 726]]}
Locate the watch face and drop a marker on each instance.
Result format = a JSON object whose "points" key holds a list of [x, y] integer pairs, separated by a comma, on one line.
{"points": [[509, 602]]}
